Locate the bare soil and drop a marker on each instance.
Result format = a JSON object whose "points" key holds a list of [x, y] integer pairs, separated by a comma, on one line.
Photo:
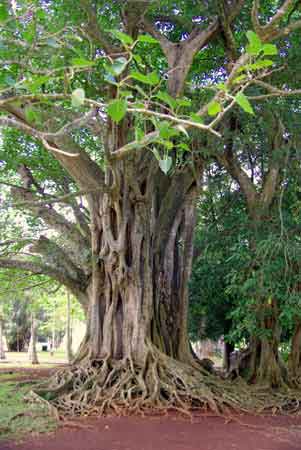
{"points": [[171, 433]]}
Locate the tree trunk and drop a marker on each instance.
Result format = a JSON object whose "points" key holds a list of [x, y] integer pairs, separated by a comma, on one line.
{"points": [[136, 352], [228, 349], [32, 350], [68, 330], [2, 350], [294, 360], [265, 363]]}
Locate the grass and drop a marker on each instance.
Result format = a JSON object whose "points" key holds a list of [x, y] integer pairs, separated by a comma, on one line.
{"points": [[18, 417], [20, 359]]}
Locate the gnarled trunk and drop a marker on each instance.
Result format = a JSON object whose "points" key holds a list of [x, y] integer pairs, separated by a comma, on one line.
{"points": [[265, 363], [294, 360], [136, 352]]}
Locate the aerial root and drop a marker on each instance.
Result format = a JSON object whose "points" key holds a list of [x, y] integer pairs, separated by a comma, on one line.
{"points": [[160, 384]]}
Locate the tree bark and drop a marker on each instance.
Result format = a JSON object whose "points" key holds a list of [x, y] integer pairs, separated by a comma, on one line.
{"points": [[2, 350], [32, 350], [69, 353], [294, 360], [265, 365]]}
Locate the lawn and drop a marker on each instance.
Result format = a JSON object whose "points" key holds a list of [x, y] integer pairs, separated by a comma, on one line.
{"points": [[18, 417]]}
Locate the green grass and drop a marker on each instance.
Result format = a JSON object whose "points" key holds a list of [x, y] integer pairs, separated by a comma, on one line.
{"points": [[18, 417]]}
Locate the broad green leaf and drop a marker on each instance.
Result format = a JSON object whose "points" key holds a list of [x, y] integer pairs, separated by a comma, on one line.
{"points": [[148, 39], [166, 130], [183, 102], [166, 98], [183, 147], [165, 164], [255, 44], [244, 103], [214, 108], [110, 79], [270, 49], [167, 144], [35, 83], [262, 64], [117, 67], [196, 118], [31, 115], [151, 78], [30, 32], [222, 87], [3, 13], [117, 109], [239, 79], [122, 37], [138, 59], [78, 97], [82, 62]]}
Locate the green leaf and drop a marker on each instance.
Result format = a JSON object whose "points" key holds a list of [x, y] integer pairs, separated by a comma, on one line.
{"points": [[82, 62], [214, 108], [31, 115], [255, 44], [147, 39], [183, 147], [152, 78], [196, 118], [262, 64], [239, 79], [165, 164], [117, 67], [185, 102], [166, 130], [244, 103], [270, 49], [221, 87], [110, 79], [122, 37], [138, 59], [78, 97], [166, 98], [117, 109], [35, 83], [3, 13]]}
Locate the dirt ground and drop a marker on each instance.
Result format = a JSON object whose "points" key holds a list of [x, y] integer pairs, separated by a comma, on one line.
{"points": [[171, 433]]}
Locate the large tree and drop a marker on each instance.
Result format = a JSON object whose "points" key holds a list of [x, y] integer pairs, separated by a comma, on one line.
{"points": [[81, 73]]}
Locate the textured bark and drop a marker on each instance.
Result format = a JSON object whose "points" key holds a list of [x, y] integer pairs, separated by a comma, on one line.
{"points": [[266, 366], [2, 351], [294, 361], [68, 330], [141, 266], [32, 350]]}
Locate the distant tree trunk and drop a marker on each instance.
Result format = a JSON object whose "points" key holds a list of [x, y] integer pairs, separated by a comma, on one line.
{"points": [[228, 349], [2, 350], [294, 360], [265, 365], [68, 330], [32, 350], [53, 340]]}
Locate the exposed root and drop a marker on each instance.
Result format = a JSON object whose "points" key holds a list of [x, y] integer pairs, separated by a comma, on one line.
{"points": [[161, 384]]}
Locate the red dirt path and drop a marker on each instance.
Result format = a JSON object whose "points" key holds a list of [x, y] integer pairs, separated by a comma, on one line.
{"points": [[172, 433]]}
